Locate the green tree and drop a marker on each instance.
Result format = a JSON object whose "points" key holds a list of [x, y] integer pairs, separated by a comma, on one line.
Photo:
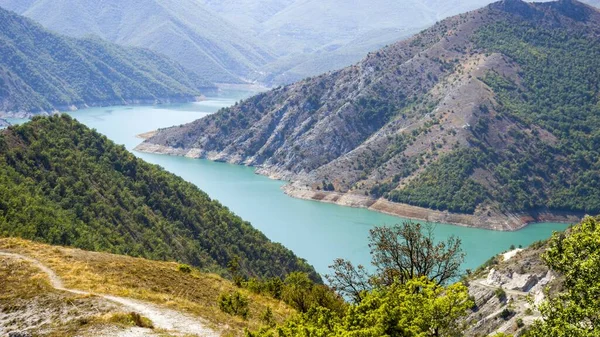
{"points": [[576, 311], [297, 291], [418, 307]]}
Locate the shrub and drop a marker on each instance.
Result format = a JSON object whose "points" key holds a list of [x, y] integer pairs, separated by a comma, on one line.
{"points": [[130, 319], [506, 314], [184, 268], [234, 304], [267, 317], [501, 294]]}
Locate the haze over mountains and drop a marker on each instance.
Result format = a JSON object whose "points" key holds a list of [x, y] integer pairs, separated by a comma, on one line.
{"points": [[269, 41], [44, 72], [489, 112], [183, 30], [314, 36]]}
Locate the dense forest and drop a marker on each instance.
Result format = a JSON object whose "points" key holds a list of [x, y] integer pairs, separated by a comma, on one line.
{"points": [[43, 71], [65, 184]]}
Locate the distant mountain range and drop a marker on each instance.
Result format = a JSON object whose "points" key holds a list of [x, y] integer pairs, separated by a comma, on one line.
{"points": [[233, 41], [42, 72], [491, 112], [311, 37], [183, 30]]}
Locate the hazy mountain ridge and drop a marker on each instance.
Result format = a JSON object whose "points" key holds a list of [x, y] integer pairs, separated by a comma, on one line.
{"points": [[43, 72], [431, 121], [185, 31], [311, 37]]}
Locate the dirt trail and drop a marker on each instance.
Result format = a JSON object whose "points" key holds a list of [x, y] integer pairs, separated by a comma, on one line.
{"points": [[165, 319]]}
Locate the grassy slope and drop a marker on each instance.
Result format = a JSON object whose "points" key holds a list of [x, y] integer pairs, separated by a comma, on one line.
{"points": [[158, 282], [63, 183]]}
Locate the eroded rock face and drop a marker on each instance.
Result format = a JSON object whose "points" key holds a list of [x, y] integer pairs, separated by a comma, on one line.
{"points": [[512, 281], [522, 277]]}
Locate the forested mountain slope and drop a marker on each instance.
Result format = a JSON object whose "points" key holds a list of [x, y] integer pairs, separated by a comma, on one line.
{"points": [[65, 184], [42, 72], [492, 112], [184, 30]]}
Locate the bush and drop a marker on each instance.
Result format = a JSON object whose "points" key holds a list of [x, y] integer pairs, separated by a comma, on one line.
{"points": [[267, 317], [506, 314], [184, 268], [234, 304], [501, 294], [130, 319]]}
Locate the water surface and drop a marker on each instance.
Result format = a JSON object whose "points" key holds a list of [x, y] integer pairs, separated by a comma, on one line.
{"points": [[318, 232]]}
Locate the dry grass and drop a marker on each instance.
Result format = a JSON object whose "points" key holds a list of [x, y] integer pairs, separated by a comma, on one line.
{"points": [[158, 282], [28, 302]]}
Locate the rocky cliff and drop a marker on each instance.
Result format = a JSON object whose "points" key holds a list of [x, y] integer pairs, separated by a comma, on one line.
{"points": [[507, 291]]}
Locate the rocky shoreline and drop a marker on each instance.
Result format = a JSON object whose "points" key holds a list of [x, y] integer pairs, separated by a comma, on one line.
{"points": [[497, 221]]}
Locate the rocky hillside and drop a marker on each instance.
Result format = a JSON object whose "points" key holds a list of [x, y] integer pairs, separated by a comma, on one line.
{"points": [[43, 72], [502, 290], [487, 116]]}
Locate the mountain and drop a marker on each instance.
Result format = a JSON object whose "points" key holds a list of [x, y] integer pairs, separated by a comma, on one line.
{"points": [[65, 184], [314, 36], [43, 72], [183, 30], [488, 119]]}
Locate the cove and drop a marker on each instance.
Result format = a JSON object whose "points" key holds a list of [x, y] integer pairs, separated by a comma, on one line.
{"points": [[318, 232]]}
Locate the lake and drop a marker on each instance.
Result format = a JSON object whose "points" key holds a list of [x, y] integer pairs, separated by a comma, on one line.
{"points": [[315, 231]]}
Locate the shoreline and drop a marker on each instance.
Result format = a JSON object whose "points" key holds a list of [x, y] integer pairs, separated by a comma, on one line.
{"points": [[126, 102], [497, 222]]}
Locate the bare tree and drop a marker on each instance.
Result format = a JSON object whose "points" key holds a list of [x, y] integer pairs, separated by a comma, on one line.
{"points": [[349, 281], [399, 254]]}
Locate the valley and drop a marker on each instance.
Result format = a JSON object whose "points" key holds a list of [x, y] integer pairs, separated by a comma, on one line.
{"points": [[319, 232], [299, 168]]}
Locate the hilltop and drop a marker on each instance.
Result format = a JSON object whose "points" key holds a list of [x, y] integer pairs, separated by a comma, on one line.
{"points": [[487, 119], [62, 183], [43, 72], [184, 30]]}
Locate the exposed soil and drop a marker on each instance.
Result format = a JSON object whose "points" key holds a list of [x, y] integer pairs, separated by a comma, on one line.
{"points": [[164, 319]]}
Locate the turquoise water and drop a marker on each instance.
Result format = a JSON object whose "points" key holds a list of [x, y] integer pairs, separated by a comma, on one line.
{"points": [[316, 231]]}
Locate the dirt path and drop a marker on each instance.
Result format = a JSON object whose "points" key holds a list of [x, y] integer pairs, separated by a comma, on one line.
{"points": [[162, 318]]}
